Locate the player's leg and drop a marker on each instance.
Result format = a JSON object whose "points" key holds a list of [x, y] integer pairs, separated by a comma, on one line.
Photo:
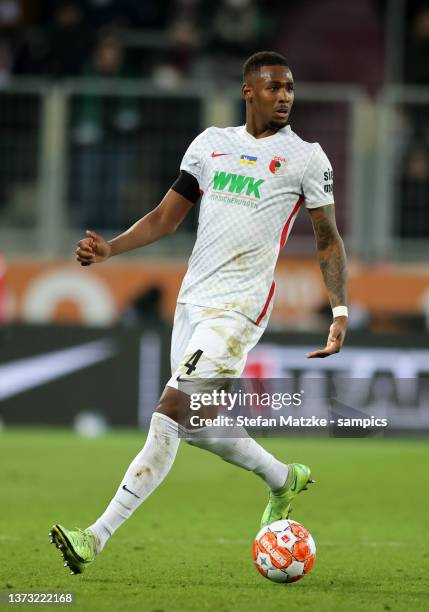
{"points": [[285, 481], [153, 462], [218, 347], [145, 473], [147, 470], [243, 451], [221, 341]]}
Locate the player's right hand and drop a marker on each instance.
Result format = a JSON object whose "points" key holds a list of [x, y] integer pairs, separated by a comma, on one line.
{"points": [[93, 249]]}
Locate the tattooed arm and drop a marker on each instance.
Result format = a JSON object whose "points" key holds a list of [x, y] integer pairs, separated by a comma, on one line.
{"points": [[333, 264]]}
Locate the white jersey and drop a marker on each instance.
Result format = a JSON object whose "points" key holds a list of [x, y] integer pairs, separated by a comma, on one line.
{"points": [[252, 189]]}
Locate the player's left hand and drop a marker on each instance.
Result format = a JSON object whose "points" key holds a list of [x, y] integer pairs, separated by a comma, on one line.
{"points": [[337, 333]]}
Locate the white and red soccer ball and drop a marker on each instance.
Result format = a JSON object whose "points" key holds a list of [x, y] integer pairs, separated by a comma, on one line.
{"points": [[284, 551]]}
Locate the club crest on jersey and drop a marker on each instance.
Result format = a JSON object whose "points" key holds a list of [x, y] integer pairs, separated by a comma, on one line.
{"points": [[248, 159], [278, 165]]}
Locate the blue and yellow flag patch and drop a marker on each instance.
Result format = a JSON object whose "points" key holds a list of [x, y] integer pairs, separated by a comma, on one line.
{"points": [[248, 159]]}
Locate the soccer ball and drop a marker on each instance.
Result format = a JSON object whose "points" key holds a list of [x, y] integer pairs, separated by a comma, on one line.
{"points": [[284, 551]]}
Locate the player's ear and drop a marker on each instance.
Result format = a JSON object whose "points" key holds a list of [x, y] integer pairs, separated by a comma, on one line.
{"points": [[246, 92]]}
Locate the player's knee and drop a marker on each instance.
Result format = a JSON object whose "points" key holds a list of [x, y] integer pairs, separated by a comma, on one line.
{"points": [[169, 403]]}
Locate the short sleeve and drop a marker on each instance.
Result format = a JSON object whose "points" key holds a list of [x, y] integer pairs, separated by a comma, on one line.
{"points": [[193, 159], [318, 180]]}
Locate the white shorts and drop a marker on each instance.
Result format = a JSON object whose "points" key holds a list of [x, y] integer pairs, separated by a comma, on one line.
{"points": [[210, 343]]}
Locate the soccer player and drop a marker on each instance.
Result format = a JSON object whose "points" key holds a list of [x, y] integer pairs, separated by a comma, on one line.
{"points": [[252, 180]]}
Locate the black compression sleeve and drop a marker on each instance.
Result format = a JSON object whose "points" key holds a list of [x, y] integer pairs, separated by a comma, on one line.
{"points": [[187, 186]]}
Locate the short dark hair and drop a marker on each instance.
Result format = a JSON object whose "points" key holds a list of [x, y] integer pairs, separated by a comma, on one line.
{"points": [[262, 58]]}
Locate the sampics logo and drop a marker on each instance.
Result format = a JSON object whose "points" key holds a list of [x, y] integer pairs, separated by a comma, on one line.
{"points": [[236, 189], [278, 165]]}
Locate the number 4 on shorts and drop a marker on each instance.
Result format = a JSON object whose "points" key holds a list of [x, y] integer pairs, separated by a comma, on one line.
{"points": [[191, 364]]}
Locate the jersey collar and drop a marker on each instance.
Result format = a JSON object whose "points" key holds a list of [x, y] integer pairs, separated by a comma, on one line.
{"points": [[249, 137]]}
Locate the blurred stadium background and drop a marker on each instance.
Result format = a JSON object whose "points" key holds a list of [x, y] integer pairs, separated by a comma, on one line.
{"points": [[99, 100]]}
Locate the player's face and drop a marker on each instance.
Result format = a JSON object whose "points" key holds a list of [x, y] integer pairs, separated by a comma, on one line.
{"points": [[270, 94]]}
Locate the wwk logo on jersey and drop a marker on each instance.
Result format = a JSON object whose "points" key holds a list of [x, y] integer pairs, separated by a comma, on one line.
{"points": [[278, 165], [237, 183]]}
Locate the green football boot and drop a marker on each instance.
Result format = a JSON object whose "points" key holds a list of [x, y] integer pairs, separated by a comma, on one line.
{"points": [[279, 501], [77, 547]]}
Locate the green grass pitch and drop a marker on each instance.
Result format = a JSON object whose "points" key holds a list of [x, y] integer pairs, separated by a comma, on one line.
{"points": [[188, 547]]}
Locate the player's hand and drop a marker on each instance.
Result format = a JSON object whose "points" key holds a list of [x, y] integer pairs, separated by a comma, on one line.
{"points": [[93, 249], [337, 333]]}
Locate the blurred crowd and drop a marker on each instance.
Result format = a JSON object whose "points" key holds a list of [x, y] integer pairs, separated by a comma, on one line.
{"points": [[163, 39], [170, 39], [413, 219]]}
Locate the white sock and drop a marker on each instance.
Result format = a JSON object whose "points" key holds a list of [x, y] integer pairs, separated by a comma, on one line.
{"points": [[244, 452], [147, 470]]}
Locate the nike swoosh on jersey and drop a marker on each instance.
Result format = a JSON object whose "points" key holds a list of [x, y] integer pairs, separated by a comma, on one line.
{"points": [[218, 154]]}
